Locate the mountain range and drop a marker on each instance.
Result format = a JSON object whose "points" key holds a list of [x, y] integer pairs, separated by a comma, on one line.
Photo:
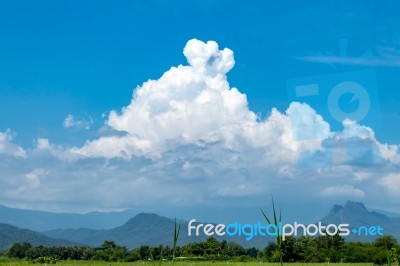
{"points": [[145, 229], [357, 215], [10, 234], [152, 229], [42, 220]]}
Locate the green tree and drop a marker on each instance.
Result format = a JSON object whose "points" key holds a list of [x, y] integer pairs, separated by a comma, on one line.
{"points": [[133, 255], [306, 249], [109, 251], [213, 248], [232, 249], [288, 249], [252, 252], [18, 250], [269, 250], [37, 252], [354, 252], [386, 241], [144, 253], [330, 248]]}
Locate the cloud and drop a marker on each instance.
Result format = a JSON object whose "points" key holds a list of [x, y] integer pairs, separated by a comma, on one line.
{"points": [[306, 124], [190, 124], [194, 104], [391, 182], [7, 147], [70, 121], [34, 176], [189, 138], [387, 56], [43, 147], [343, 191]]}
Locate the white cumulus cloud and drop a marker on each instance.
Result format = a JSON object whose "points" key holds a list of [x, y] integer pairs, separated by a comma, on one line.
{"points": [[8, 147], [194, 104], [189, 137], [343, 191]]}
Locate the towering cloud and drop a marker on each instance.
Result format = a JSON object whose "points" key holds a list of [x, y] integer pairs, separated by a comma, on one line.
{"points": [[194, 104], [191, 137]]}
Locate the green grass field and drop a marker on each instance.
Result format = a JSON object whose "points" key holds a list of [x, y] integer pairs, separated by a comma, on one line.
{"points": [[168, 263]]}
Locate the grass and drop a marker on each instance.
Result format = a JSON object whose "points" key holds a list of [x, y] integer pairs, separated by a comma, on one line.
{"points": [[169, 263], [276, 222], [177, 230]]}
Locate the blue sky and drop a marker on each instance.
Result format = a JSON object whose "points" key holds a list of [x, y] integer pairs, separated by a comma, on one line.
{"points": [[82, 60]]}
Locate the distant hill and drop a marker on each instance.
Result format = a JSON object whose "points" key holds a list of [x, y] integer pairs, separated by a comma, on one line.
{"points": [[356, 214], [152, 229], [41, 220], [11, 234], [144, 229], [387, 213]]}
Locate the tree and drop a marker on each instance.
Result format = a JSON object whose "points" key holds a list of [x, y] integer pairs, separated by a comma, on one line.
{"points": [[330, 247], [108, 245], [133, 255], [252, 252], [213, 247], [386, 241], [269, 250], [386, 250], [307, 249], [18, 250], [288, 249], [109, 251], [233, 249], [144, 253], [37, 252]]}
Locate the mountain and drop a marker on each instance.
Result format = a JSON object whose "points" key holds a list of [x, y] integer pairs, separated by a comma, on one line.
{"points": [[387, 213], [41, 220], [80, 235], [144, 229], [357, 215], [152, 229], [11, 234]]}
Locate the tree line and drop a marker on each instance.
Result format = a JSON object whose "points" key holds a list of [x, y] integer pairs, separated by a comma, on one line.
{"points": [[384, 250]]}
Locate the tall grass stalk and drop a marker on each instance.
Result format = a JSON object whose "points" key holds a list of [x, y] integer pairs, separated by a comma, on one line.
{"points": [[276, 221], [177, 230]]}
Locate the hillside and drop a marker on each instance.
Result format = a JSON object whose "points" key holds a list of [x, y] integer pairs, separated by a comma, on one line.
{"points": [[356, 214], [144, 229], [41, 220], [11, 234], [152, 229]]}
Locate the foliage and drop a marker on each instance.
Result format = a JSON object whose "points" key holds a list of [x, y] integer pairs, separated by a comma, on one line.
{"points": [[18, 250], [109, 251], [323, 249]]}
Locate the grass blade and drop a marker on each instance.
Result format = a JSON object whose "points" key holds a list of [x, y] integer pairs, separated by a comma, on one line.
{"points": [[177, 230]]}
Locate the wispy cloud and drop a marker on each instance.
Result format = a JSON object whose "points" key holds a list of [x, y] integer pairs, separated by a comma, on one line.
{"points": [[70, 121], [386, 56]]}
